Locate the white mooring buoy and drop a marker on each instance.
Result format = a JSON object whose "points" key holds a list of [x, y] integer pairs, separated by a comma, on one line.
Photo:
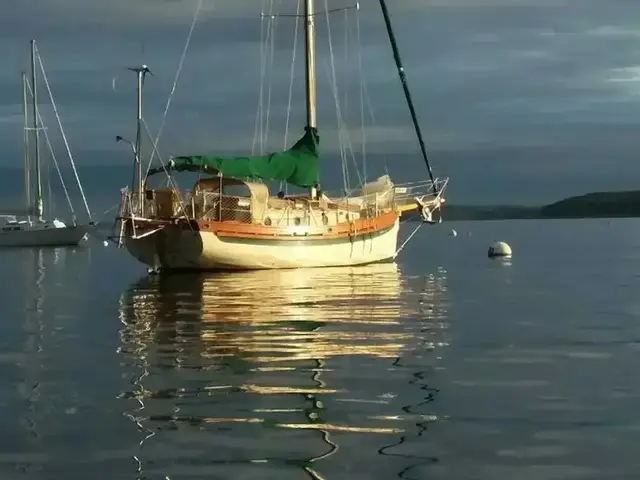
{"points": [[105, 243], [499, 249], [453, 233]]}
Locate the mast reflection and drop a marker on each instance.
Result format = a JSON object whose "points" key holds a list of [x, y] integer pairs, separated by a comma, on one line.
{"points": [[34, 330], [33, 267]]}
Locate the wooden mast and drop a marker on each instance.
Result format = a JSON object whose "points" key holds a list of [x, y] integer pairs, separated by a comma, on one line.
{"points": [[310, 54], [310, 69]]}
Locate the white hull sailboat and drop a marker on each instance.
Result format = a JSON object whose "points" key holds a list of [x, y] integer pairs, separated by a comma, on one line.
{"points": [[55, 233], [29, 227], [229, 220]]}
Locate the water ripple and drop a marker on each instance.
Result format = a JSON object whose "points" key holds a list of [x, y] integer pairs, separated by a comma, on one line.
{"points": [[220, 361]]}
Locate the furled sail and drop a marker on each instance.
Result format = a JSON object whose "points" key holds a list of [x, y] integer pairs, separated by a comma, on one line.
{"points": [[296, 166]]}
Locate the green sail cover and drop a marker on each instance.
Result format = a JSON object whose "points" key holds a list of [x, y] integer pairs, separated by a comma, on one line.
{"points": [[296, 166]]}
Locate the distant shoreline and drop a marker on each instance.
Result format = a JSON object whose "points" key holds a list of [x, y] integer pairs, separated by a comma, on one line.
{"points": [[624, 204]]}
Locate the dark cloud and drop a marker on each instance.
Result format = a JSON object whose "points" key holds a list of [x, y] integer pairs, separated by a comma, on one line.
{"points": [[556, 79]]}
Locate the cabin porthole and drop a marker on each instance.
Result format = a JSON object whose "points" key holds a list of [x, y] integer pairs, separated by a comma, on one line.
{"points": [[267, 222]]}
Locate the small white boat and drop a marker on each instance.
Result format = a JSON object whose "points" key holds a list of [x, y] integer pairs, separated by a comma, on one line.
{"points": [[22, 233], [28, 227]]}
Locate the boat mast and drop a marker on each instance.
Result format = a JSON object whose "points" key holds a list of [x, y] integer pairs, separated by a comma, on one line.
{"points": [[140, 72], [310, 53], [405, 86], [310, 69], [25, 143], [38, 203]]}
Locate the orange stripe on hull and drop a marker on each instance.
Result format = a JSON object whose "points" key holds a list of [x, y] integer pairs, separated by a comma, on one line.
{"points": [[342, 230], [297, 233]]}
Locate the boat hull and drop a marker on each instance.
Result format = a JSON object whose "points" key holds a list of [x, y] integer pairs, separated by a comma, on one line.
{"points": [[50, 237], [174, 248]]}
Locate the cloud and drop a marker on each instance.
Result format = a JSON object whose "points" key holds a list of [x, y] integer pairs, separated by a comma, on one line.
{"points": [[486, 76]]}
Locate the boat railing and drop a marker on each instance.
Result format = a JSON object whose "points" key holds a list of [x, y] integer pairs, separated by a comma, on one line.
{"points": [[130, 205], [220, 207], [161, 204], [8, 218], [407, 192], [378, 201], [164, 204]]}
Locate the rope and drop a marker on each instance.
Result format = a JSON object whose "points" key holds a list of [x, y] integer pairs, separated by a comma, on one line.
{"points": [[170, 179], [258, 109], [334, 85], [407, 240], [64, 138], [258, 133], [349, 141], [291, 80], [363, 134], [51, 201], [110, 209], [350, 146], [53, 157], [345, 141], [175, 83], [271, 56]]}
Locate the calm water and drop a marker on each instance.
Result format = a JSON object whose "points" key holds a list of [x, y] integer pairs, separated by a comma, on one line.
{"points": [[443, 366]]}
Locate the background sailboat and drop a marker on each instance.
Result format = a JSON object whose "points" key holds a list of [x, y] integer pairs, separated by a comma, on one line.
{"points": [[230, 220], [29, 227]]}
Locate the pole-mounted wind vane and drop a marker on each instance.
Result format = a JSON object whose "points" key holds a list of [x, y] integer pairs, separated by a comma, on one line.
{"points": [[141, 70]]}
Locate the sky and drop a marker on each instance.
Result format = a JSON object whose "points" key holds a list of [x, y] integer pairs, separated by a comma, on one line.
{"points": [[508, 92]]}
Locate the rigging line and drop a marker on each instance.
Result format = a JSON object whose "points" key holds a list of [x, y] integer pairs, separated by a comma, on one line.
{"points": [[171, 180], [263, 75], [405, 87], [292, 74], [27, 150], [258, 109], [346, 59], [363, 134], [345, 172], [271, 56], [110, 209], [175, 83], [51, 202], [346, 144], [365, 90], [55, 160], [407, 240], [264, 39], [64, 137], [344, 139], [349, 147]]}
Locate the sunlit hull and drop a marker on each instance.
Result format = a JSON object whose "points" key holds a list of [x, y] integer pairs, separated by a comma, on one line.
{"points": [[174, 249]]}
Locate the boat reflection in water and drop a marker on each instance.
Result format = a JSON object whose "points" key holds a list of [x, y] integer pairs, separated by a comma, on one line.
{"points": [[36, 322], [258, 359]]}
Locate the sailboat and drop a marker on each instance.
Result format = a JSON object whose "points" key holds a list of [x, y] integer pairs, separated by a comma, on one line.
{"points": [[28, 227], [217, 227]]}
